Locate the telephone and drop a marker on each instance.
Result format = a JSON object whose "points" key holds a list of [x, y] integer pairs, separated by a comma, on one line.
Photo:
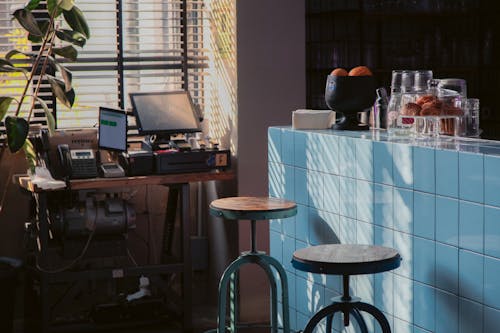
{"points": [[76, 163]]}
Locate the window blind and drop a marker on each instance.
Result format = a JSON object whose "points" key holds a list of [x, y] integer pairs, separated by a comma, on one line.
{"points": [[135, 45]]}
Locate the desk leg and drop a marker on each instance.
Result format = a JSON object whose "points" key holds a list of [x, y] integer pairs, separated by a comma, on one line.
{"points": [[186, 258], [168, 232], [43, 239]]}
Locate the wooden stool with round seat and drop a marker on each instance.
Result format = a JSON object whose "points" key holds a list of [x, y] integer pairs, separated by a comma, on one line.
{"points": [[346, 260], [253, 209]]}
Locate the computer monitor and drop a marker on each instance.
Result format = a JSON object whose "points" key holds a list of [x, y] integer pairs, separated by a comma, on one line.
{"points": [[164, 113], [112, 129]]}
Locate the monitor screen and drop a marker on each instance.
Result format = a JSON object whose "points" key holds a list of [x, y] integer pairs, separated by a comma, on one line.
{"points": [[112, 129], [164, 112]]}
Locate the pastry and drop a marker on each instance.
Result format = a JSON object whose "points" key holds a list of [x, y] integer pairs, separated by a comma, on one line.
{"points": [[411, 109]]}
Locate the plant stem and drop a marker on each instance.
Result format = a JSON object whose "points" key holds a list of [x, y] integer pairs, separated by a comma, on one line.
{"points": [[40, 78], [35, 65]]}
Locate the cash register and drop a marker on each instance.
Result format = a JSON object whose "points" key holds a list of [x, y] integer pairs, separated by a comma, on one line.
{"points": [[161, 117]]}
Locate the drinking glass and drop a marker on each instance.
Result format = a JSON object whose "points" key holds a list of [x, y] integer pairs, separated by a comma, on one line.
{"points": [[458, 85]]}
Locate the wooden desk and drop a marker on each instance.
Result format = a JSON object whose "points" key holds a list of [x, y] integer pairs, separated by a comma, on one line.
{"points": [[178, 187]]}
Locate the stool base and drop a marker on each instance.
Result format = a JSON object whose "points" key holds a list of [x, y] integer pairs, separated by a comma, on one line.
{"points": [[230, 279], [347, 308]]}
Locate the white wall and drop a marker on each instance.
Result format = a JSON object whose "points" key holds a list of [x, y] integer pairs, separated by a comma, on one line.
{"points": [[271, 83]]}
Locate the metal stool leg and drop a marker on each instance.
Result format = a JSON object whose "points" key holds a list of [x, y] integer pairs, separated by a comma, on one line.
{"points": [[284, 290], [223, 284], [329, 320], [376, 313], [274, 293], [360, 320], [329, 311], [233, 301]]}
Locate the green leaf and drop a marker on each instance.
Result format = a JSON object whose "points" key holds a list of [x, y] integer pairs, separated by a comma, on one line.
{"points": [[35, 39], [17, 132], [4, 62], [11, 69], [65, 4], [68, 52], [71, 36], [12, 53], [4, 105], [58, 89], [53, 8], [32, 4], [76, 21], [65, 73], [28, 21], [51, 122]]}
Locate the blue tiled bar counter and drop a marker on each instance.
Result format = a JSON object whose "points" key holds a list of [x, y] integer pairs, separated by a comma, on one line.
{"points": [[436, 201]]}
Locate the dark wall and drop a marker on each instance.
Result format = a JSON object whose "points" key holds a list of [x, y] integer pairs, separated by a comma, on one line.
{"points": [[456, 39]]}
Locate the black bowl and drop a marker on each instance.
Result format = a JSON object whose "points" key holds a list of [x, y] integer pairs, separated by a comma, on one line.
{"points": [[349, 95]]}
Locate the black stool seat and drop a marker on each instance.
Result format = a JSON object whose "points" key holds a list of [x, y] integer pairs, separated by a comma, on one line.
{"points": [[253, 208], [346, 259]]}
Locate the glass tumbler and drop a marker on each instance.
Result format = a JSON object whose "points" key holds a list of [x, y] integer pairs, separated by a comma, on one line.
{"points": [[458, 85], [472, 111]]}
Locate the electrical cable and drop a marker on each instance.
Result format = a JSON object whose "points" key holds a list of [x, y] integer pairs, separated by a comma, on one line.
{"points": [[132, 258], [71, 264]]}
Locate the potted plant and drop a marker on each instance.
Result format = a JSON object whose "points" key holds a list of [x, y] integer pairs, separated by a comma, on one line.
{"points": [[56, 46]]}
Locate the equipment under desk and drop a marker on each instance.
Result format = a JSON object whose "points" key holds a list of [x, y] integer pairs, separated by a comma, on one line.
{"points": [[178, 188]]}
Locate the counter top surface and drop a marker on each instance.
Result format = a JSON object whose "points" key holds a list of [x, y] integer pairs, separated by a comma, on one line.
{"points": [[461, 144]]}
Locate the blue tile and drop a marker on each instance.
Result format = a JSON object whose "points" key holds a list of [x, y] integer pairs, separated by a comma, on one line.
{"points": [[289, 183], [302, 223], [302, 321], [401, 326], [331, 193], [447, 267], [330, 154], [288, 226], [276, 246], [404, 244], [275, 225], [471, 225], [347, 157], [364, 201], [424, 260], [447, 173], [492, 231], [300, 188], [320, 227], [347, 233], [291, 290], [365, 232], [314, 149], [424, 170], [287, 147], [383, 205], [424, 215], [469, 314], [424, 304], [332, 227], [383, 287], [492, 180], [417, 329], [404, 298], [383, 236], [315, 189], [347, 204], [382, 163], [447, 220], [470, 269], [403, 210], [491, 319], [402, 169], [276, 179], [492, 282], [364, 160], [446, 312], [309, 296], [300, 149], [288, 250], [274, 144], [471, 177]]}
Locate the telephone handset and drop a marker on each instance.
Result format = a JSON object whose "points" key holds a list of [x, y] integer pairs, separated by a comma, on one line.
{"points": [[77, 163], [65, 160]]}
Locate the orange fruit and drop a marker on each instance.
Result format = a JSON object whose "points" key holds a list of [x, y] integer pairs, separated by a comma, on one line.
{"points": [[360, 71], [339, 72]]}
